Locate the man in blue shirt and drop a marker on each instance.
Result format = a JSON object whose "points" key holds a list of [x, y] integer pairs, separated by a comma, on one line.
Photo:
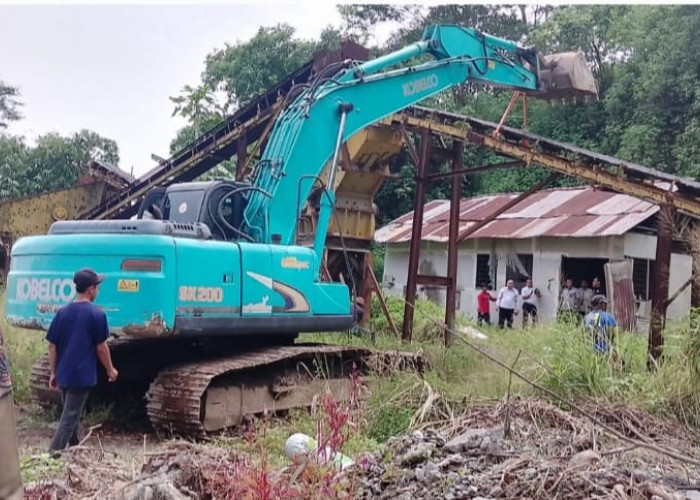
{"points": [[77, 338], [600, 323]]}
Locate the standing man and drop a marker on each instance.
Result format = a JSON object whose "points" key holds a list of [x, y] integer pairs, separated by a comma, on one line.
{"points": [[586, 297], [507, 301], [483, 306], [601, 324], [569, 303], [10, 479], [530, 297], [597, 287], [77, 338]]}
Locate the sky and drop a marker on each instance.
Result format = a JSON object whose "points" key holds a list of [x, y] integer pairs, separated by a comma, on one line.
{"points": [[112, 68]]}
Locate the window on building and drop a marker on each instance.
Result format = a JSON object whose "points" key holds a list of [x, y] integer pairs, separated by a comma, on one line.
{"points": [[519, 268], [485, 270], [643, 274]]}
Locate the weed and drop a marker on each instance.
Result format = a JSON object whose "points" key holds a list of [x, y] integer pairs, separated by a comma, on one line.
{"points": [[23, 348], [38, 468], [389, 421]]}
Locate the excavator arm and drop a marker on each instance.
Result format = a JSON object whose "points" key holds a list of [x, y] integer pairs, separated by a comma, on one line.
{"points": [[342, 101]]}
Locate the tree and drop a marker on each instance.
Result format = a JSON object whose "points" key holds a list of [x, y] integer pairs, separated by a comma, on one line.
{"points": [[246, 69], [53, 163], [9, 104], [652, 106]]}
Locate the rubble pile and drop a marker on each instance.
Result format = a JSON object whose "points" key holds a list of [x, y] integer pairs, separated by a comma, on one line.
{"points": [[522, 449], [531, 449]]}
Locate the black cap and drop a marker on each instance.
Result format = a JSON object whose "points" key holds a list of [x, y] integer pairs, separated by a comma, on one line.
{"points": [[87, 277], [597, 300]]}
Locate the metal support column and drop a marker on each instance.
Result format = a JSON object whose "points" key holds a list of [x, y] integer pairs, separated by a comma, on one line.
{"points": [[451, 303], [367, 286], [694, 232], [659, 300], [416, 235], [241, 157]]}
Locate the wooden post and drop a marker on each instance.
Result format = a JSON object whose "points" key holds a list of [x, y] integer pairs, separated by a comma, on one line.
{"points": [[659, 300], [452, 248], [414, 253]]}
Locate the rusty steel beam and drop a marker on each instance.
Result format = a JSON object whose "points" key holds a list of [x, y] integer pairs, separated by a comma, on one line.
{"points": [[382, 302], [659, 300], [475, 170], [367, 263], [409, 145], [530, 155], [452, 248], [537, 187], [416, 233]]}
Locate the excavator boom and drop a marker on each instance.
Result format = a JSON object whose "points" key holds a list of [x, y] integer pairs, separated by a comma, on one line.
{"points": [[334, 107]]}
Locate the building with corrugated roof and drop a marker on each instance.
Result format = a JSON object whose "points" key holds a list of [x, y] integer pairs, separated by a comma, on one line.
{"points": [[551, 235]]}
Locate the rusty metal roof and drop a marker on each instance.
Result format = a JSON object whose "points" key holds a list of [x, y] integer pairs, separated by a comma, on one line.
{"points": [[579, 213]]}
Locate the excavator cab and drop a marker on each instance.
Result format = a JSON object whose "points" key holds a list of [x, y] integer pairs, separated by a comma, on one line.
{"points": [[218, 204]]}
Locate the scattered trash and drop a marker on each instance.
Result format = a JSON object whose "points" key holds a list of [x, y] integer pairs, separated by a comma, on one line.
{"points": [[299, 446], [472, 332]]}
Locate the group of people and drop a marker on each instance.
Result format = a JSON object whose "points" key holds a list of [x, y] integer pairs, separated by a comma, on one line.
{"points": [[575, 302], [586, 305], [509, 301]]}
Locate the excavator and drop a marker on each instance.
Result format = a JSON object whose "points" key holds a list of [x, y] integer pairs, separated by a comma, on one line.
{"points": [[208, 287]]}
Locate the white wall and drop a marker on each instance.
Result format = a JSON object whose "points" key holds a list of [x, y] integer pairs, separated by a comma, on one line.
{"points": [[643, 246], [546, 256]]}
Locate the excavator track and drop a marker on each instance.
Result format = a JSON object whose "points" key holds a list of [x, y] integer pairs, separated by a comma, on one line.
{"points": [[202, 397], [220, 390]]}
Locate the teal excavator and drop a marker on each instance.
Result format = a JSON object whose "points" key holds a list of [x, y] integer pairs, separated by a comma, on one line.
{"points": [[207, 290]]}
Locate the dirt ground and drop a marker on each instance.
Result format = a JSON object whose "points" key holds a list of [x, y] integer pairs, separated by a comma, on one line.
{"points": [[35, 429]]}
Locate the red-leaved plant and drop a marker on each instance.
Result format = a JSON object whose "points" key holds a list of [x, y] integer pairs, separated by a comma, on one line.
{"points": [[318, 477]]}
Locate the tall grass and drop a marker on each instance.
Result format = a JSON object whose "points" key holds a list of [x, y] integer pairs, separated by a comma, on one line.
{"points": [[22, 347], [558, 356]]}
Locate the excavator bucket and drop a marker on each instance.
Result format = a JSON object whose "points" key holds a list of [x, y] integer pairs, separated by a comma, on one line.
{"points": [[565, 77]]}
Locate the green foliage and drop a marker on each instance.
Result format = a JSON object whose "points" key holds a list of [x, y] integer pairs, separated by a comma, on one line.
{"points": [[388, 420], [37, 468], [424, 328], [246, 69], [378, 253], [53, 163], [22, 348], [9, 104]]}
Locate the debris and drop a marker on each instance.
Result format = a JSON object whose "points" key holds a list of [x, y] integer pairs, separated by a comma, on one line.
{"points": [[472, 332], [552, 454], [299, 446], [583, 459], [474, 438]]}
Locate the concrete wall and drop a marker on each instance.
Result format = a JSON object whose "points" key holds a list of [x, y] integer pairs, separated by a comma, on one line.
{"points": [[546, 263]]}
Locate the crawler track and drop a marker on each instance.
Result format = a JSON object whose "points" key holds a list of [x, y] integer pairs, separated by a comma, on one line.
{"points": [[192, 398]]}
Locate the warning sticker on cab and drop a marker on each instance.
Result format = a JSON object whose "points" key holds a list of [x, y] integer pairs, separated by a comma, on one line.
{"points": [[128, 286]]}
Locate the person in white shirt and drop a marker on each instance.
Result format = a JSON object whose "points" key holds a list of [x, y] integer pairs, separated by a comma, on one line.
{"points": [[529, 295], [570, 302], [507, 302], [586, 296]]}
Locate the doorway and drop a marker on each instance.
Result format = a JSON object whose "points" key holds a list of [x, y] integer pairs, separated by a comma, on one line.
{"points": [[579, 269]]}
